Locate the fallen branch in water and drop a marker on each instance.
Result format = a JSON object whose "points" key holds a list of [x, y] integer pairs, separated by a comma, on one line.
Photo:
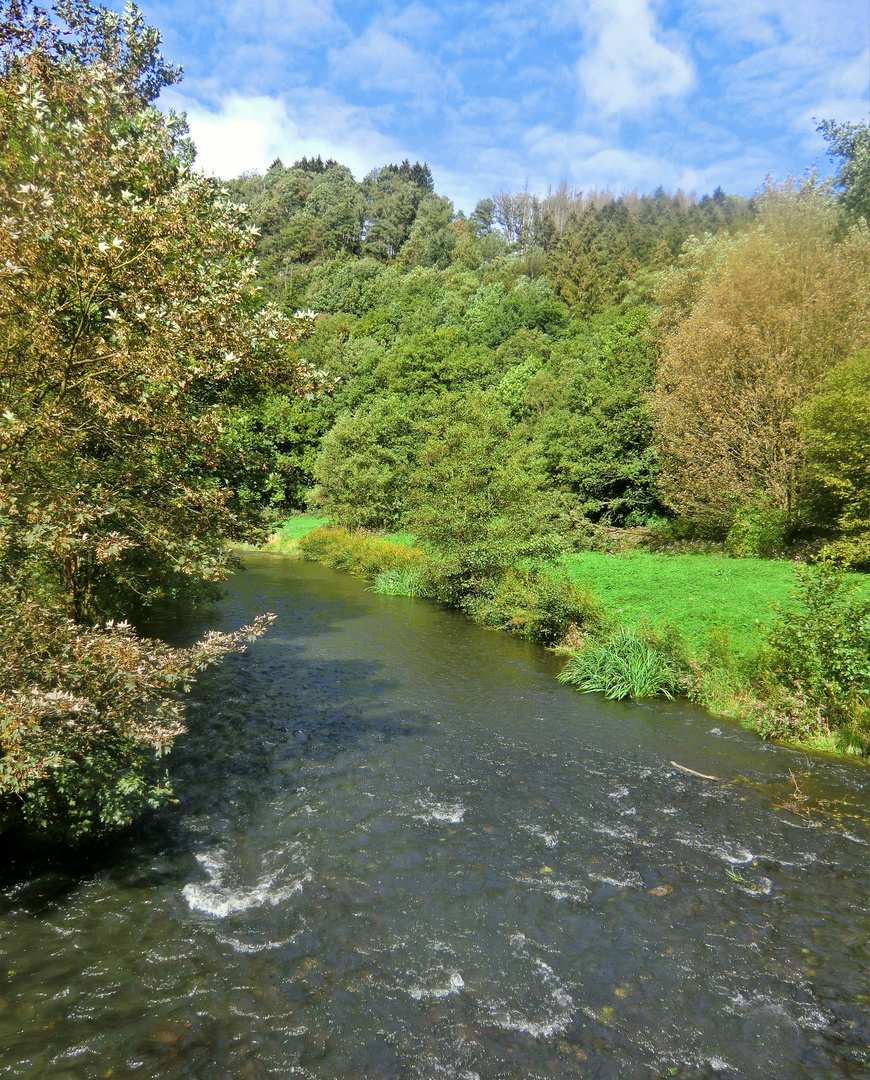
{"points": [[700, 775]]}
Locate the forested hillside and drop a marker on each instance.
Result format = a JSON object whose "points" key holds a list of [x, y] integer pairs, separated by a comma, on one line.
{"points": [[650, 359]]}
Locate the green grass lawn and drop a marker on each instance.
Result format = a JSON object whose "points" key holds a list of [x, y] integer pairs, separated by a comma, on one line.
{"points": [[286, 534], [297, 526], [695, 593], [406, 539]]}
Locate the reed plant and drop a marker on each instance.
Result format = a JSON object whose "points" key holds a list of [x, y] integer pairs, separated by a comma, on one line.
{"points": [[622, 666]]}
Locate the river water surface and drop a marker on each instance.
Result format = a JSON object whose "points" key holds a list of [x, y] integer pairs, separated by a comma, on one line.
{"points": [[403, 850]]}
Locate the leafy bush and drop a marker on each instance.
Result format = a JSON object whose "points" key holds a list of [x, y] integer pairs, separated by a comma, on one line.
{"points": [[623, 666], [822, 646], [536, 606], [86, 715], [790, 717], [760, 529]]}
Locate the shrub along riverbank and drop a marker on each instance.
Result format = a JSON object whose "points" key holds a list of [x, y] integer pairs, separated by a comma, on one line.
{"points": [[782, 647]]}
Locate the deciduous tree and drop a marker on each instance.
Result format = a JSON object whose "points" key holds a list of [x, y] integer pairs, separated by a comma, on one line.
{"points": [[749, 333]]}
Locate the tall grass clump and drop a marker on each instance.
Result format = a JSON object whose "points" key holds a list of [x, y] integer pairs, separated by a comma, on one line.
{"points": [[622, 666], [363, 554], [399, 581]]}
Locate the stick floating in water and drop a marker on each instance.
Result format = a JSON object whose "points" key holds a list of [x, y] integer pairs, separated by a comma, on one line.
{"points": [[691, 772]]}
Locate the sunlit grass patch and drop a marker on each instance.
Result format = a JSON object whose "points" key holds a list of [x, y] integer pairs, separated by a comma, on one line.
{"points": [[404, 538], [696, 593], [285, 537], [298, 526]]}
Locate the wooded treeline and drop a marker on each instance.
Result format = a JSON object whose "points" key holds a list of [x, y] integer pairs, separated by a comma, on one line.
{"points": [[653, 360]]}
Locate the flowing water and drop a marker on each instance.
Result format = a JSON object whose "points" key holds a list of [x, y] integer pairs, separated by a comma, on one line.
{"points": [[403, 850]]}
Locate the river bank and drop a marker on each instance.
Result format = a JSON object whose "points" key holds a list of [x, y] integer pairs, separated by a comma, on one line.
{"points": [[702, 621]]}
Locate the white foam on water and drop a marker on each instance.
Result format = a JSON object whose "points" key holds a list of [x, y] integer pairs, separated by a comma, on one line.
{"points": [[616, 832], [543, 1029], [632, 881], [247, 947], [807, 1015], [219, 900], [762, 886], [578, 894], [442, 813], [550, 839], [556, 1020], [73, 1052], [730, 853], [455, 983], [619, 793], [567, 889], [853, 838]]}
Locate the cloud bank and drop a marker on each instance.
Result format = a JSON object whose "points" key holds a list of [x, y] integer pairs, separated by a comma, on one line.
{"points": [[497, 96]]}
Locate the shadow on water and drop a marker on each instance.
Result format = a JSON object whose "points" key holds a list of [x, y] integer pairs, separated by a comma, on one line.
{"points": [[252, 723], [247, 720], [253, 719]]}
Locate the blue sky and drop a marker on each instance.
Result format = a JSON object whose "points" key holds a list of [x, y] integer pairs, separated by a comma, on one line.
{"points": [[499, 96]]}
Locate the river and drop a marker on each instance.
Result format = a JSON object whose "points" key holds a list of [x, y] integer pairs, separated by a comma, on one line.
{"points": [[403, 850]]}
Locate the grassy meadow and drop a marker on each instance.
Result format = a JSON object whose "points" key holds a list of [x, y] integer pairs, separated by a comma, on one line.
{"points": [[697, 594]]}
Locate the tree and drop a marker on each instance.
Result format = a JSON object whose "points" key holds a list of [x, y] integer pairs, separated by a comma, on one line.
{"points": [[127, 317], [393, 198], [124, 295], [750, 325], [835, 425], [594, 436], [475, 497], [431, 240], [364, 463], [851, 144]]}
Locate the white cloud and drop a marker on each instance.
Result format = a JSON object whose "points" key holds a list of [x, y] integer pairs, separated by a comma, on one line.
{"points": [[246, 133], [379, 60], [831, 24], [629, 67], [284, 20]]}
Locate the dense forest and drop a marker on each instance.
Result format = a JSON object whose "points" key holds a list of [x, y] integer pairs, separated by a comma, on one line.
{"points": [[187, 362], [648, 358]]}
